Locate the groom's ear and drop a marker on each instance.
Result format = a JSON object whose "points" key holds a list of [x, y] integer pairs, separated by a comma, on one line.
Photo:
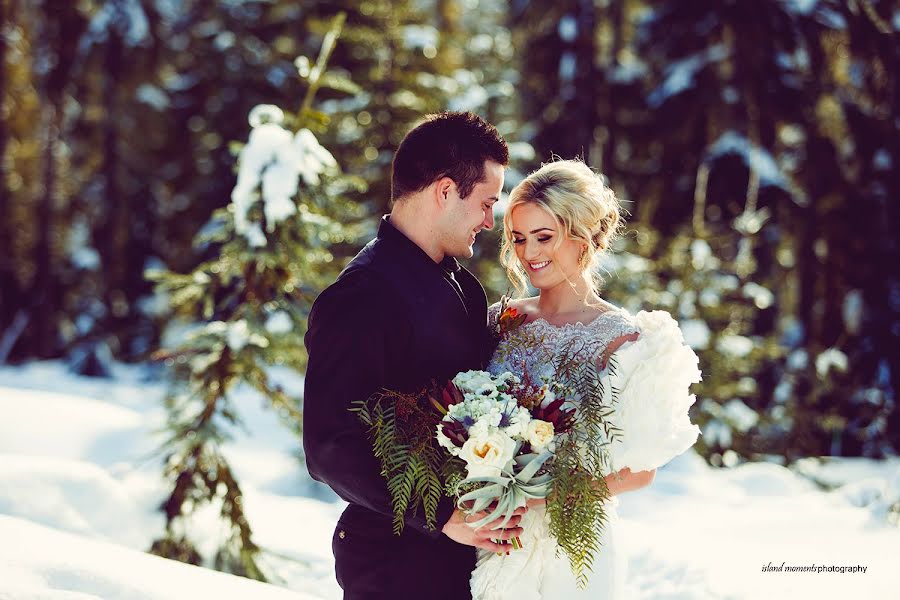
{"points": [[443, 189]]}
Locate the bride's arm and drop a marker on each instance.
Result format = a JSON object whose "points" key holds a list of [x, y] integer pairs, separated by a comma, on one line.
{"points": [[626, 481], [617, 483]]}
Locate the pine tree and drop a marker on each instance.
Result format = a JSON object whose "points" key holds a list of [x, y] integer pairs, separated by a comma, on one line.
{"points": [[269, 258], [394, 52], [20, 153], [749, 220]]}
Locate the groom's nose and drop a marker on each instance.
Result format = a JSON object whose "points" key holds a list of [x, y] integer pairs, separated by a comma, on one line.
{"points": [[488, 219]]}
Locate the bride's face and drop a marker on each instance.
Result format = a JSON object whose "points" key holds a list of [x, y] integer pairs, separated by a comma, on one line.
{"points": [[547, 259]]}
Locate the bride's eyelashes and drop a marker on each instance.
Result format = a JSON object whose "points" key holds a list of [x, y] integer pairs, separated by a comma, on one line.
{"points": [[542, 240]]}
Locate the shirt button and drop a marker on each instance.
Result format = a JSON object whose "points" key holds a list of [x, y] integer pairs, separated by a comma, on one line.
{"points": [[342, 534]]}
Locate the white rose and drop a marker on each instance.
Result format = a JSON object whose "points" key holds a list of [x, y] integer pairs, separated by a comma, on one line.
{"points": [[518, 423], [539, 434], [487, 456], [480, 429]]}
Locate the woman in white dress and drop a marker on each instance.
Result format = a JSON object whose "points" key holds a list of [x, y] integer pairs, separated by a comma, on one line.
{"points": [[560, 220]]}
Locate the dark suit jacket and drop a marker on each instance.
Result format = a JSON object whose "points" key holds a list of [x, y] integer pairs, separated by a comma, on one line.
{"points": [[393, 319]]}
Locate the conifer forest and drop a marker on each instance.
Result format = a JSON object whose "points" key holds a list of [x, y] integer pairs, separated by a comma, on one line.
{"points": [[181, 178]]}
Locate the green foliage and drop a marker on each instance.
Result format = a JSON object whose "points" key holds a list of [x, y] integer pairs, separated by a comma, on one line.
{"points": [[401, 428], [581, 461], [252, 297], [576, 508]]}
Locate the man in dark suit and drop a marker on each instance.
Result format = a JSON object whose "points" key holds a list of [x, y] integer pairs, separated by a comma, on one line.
{"points": [[401, 314]]}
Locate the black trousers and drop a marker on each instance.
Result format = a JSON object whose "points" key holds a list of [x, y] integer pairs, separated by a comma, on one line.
{"points": [[372, 563]]}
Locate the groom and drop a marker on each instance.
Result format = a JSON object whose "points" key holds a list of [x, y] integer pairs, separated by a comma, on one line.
{"points": [[402, 313]]}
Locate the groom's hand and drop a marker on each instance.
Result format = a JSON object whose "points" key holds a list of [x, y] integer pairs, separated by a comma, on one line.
{"points": [[458, 530]]}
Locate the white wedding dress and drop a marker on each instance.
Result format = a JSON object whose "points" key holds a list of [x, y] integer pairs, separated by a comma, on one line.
{"points": [[653, 371]]}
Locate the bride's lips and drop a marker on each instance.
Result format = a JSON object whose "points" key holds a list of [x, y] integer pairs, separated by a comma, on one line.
{"points": [[534, 267]]}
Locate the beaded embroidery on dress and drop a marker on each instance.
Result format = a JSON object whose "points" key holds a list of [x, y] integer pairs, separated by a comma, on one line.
{"points": [[536, 572], [538, 342], [654, 369]]}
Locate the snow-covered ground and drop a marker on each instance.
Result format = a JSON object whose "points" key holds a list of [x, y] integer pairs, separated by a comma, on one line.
{"points": [[79, 487]]}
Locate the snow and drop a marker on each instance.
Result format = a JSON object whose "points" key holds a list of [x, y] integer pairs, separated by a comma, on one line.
{"points": [[79, 486], [265, 113], [797, 360], [680, 73], [762, 296], [629, 72], [803, 7], [77, 455], [127, 17], [881, 160], [279, 323], [152, 96], [740, 415], [273, 161], [702, 255], [696, 333], [468, 93], [567, 66], [420, 36], [852, 311], [755, 157], [567, 28], [43, 563], [832, 358], [734, 345], [79, 247]]}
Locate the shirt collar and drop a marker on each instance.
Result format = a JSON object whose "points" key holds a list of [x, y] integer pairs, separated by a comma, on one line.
{"points": [[386, 231]]}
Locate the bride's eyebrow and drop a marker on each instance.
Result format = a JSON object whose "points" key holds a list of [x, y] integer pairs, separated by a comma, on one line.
{"points": [[535, 230]]}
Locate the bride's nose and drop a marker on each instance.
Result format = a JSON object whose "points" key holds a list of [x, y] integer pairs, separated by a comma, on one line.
{"points": [[531, 250]]}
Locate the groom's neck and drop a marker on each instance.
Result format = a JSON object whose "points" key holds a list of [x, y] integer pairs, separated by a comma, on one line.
{"points": [[415, 223]]}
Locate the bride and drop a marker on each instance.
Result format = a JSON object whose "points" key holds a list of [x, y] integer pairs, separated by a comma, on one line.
{"points": [[560, 221]]}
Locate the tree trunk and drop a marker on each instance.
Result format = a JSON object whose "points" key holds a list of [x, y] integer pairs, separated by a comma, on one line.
{"points": [[113, 232], [586, 79], [9, 285], [43, 297]]}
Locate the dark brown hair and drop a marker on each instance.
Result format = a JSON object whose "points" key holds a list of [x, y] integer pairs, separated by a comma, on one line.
{"points": [[447, 144]]}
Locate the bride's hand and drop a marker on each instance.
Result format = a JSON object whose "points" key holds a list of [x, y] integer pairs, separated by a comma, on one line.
{"points": [[626, 481], [536, 502], [459, 530]]}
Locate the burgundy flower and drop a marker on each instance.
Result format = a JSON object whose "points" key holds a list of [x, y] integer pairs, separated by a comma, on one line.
{"points": [[455, 432], [443, 398], [562, 418]]}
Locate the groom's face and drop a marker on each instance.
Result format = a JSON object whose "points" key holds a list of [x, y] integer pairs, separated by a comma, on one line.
{"points": [[466, 217]]}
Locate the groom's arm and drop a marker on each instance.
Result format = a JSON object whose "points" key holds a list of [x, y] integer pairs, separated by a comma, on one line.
{"points": [[356, 331]]}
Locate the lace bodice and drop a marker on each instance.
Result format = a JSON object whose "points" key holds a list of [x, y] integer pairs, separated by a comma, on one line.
{"points": [[653, 375], [533, 346]]}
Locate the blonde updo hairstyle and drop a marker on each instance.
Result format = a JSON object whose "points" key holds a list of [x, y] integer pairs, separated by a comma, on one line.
{"points": [[584, 208]]}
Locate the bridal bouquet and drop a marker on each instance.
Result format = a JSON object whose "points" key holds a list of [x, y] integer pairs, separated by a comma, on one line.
{"points": [[491, 442], [484, 440], [503, 429]]}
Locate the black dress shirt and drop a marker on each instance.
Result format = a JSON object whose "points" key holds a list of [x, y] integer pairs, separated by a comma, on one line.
{"points": [[394, 319]]}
